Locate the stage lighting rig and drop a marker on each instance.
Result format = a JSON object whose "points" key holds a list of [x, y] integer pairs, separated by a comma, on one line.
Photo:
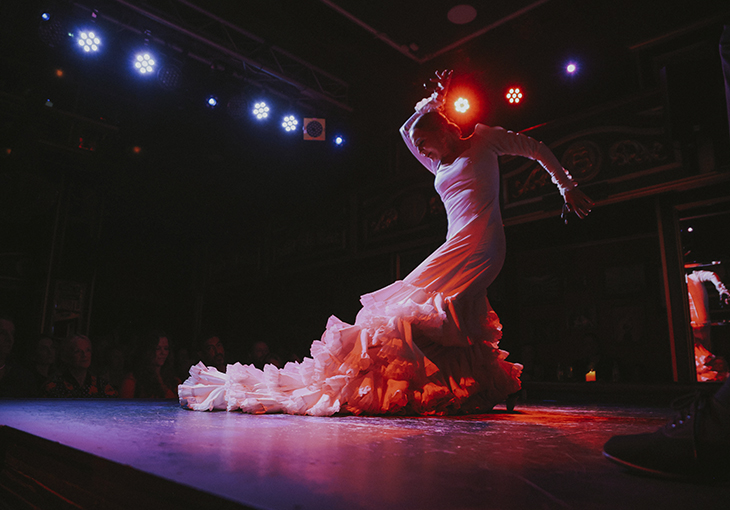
{"points": [[314, 129], [289, 123], [514, 96], [461, 105], [144, 63], [261, 110], [89, 41]]}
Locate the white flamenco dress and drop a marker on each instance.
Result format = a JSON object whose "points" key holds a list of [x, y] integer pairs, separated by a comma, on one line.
{"points": [[425, 345]]}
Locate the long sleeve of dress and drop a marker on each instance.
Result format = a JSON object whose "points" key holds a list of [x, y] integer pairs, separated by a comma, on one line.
{"points": [[709, 276], [506, 142]]}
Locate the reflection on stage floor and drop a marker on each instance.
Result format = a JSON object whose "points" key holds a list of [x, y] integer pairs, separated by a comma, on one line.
{"points": [[124, 454]]}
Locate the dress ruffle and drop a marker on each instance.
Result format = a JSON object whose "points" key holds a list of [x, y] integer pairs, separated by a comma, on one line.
{"points": [[405, 354]]}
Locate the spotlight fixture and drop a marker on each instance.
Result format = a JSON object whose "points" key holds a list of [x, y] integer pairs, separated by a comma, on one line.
{"points": [[571, 68], [461, 105], [289, 123], [237, 106], [52, 29], [514, 95], [261, 110], [144, 63], [314, 129], [212, 101], [88, 41], [169, 76], [339, 141]]}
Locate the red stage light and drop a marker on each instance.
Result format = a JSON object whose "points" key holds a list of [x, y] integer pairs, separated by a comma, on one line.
{"points": [[461, 105], [514, 95]]}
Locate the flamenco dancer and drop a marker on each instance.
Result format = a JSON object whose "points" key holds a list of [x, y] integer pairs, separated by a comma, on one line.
{"points": [[427, 344]]}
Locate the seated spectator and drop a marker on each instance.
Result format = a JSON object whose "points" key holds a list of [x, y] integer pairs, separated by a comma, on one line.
{"points": [[261, 355], [153, 374], [15, 381], [75, 380], [42, 360], [212, 352]]}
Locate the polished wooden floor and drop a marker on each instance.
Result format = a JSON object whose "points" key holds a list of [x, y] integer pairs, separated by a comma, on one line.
{"points": [[151, 454]]}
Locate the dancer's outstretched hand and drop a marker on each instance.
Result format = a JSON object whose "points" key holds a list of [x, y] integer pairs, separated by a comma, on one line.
{"points": [[578, 202], [440, 84], [441, 81]]}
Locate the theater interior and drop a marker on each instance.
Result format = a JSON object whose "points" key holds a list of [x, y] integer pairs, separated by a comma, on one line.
{"points": [[158, 199]]}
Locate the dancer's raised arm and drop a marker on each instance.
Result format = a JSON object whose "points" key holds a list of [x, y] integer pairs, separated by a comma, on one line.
{"points": [[433, 102]]}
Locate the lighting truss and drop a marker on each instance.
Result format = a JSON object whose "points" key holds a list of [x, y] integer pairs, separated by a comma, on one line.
{"points": [[272, 69]]}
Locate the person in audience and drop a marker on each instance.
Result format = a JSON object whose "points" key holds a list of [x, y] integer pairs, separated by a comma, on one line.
{"points": [[75, 380], [153, 373], [212, 352]]}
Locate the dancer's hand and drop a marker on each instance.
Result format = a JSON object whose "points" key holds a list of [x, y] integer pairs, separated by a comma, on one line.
{"points": [[442, 81], [441, 85], [578, 202]]}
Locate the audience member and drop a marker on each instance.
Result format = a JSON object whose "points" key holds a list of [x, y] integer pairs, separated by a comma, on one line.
{"points": [[153, 373], [260, 354], [212, 352], [75, 380], [15, 381]]}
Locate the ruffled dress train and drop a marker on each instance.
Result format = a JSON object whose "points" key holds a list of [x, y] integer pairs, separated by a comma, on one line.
{"points": [[412, 350]]}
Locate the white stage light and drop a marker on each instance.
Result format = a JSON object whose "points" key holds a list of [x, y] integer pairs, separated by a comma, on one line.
{"points": [[144, 63], [89, 41], [514, 95], [461, 105], [261, 110], [289, 123]]}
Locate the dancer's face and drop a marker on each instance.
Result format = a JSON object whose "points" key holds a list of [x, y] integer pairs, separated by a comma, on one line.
{"points": [[432, 144]]}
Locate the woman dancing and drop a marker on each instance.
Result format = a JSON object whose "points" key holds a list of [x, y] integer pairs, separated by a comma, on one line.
{"points": [[427, 344]]}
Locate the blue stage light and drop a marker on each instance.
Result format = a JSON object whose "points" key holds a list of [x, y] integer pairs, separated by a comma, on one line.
{"points": [[261, 110], [289, 123], [45, 16], [339, 141], [212, 102], [571, 68], [144, 63], [89, 41]]}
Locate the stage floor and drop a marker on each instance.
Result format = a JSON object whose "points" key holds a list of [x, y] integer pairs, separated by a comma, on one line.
{"points": [[542, 456]]}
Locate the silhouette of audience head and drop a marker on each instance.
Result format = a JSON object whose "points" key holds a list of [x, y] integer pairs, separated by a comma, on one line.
{"points": [[44, 354], [212, 352], [153, 373], [77, 353]]}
